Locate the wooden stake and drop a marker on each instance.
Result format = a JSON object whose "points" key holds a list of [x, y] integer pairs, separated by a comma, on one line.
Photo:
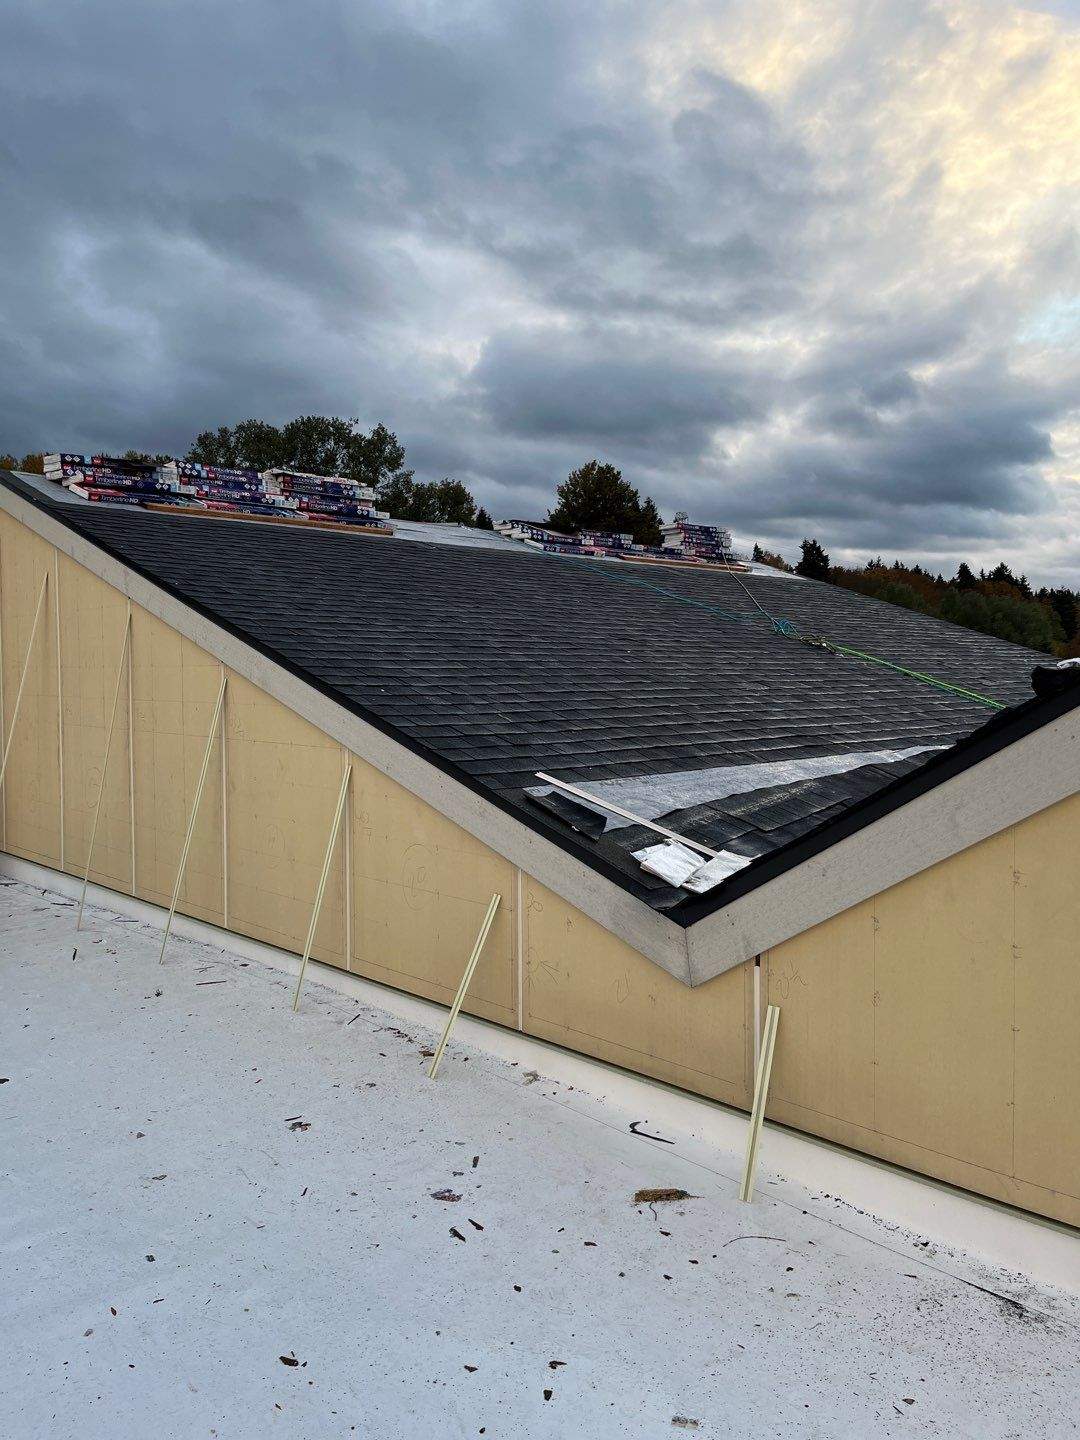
{"points": [[22, 678], [335, 825], [104, 769], [460, 996], [761, 1094], [211, 736]]}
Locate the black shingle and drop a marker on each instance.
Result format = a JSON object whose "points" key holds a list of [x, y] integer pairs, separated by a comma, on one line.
{"points": [[499, 663]]}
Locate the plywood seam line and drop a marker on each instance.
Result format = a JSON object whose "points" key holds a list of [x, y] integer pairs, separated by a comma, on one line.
{"points": [[59, 699], [22, 678], [903, 1140], [876, 923], [757, 1012], [131, 753], [519, 943], [761, 1095], [3, 794], [1012, 1027], [347, 868], [224, 811], [335, 826], [459, 998], [194, 811], [124, 652]]}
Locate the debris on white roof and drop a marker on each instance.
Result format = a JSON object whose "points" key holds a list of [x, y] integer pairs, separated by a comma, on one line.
{"points": [[223, 1218]]}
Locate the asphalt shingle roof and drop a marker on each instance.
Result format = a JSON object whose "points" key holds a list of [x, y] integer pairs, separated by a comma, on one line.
{"points": [[498, 663]]}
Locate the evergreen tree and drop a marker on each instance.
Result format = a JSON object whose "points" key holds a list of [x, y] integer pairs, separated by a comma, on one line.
{"points": [[814, 564]]}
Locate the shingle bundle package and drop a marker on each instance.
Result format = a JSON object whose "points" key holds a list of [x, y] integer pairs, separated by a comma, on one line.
{"points": [[114, 478], [222, 489], [707, 539], [334, 497], [684, 543]]}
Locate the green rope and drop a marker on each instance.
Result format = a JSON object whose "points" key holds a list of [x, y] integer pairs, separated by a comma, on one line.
{"points": [[916, 675], [789, 630], [610, 574]]}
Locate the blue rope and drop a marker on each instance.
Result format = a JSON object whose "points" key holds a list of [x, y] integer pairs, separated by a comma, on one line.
{"points": [[791, 631]]}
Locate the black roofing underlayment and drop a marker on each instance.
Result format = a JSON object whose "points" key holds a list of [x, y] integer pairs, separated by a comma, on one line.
{"points": [[497, 664]]}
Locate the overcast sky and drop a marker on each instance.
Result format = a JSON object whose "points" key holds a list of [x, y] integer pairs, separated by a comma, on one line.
{"points": [[799, 268]]}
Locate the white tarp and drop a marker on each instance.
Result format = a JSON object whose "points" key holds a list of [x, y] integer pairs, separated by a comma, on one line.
{"points": [[679, 865], [650, 796]]}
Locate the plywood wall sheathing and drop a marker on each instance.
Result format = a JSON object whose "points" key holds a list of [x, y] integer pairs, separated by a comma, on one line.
{"points": [[1046, 989], [422, 887], [936, 1025], [586, 988], [284, 776], [175, 686], [93, 618], [32, 780]]}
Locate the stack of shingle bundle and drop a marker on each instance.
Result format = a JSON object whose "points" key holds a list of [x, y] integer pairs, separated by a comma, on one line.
{"points": [[114, 479], [684, 544], [222, 489], [586, 542], [326, 498], [227, 490], [706, 542]]}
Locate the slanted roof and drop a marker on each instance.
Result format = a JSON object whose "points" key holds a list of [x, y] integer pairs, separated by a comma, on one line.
{"points": [[495, 663]]}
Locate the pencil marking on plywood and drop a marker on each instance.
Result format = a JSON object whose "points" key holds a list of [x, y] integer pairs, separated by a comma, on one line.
{"points": [[416, 869]]}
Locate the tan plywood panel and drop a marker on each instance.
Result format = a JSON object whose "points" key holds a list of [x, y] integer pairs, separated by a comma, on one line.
{"points": [[943, 1019], [1047, 1054], [421, 889], [93, 620], [587, 989], [923, 1062], [174, 688], [824, 984], [284, 776], [32, 781]]}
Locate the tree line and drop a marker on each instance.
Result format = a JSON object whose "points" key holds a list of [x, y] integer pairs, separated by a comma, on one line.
{"points": [[994, 602], [595, 496]]}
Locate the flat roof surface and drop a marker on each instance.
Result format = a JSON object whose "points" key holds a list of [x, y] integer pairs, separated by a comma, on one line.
{"points": [[197, 1183], [496, 663]]}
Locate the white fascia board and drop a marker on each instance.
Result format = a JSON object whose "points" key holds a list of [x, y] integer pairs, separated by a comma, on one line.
{"points": [[1026, 776], [646, 930]]}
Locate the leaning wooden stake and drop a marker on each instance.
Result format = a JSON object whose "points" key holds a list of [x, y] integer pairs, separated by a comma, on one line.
{"points": [[210, 738], [460, 996], [22, 678], [104, 768], [335, 826], [761, 1094]]}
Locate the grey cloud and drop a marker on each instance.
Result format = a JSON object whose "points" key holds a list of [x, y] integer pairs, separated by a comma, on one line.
{"points": [[538, 386], [491, 228]]}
